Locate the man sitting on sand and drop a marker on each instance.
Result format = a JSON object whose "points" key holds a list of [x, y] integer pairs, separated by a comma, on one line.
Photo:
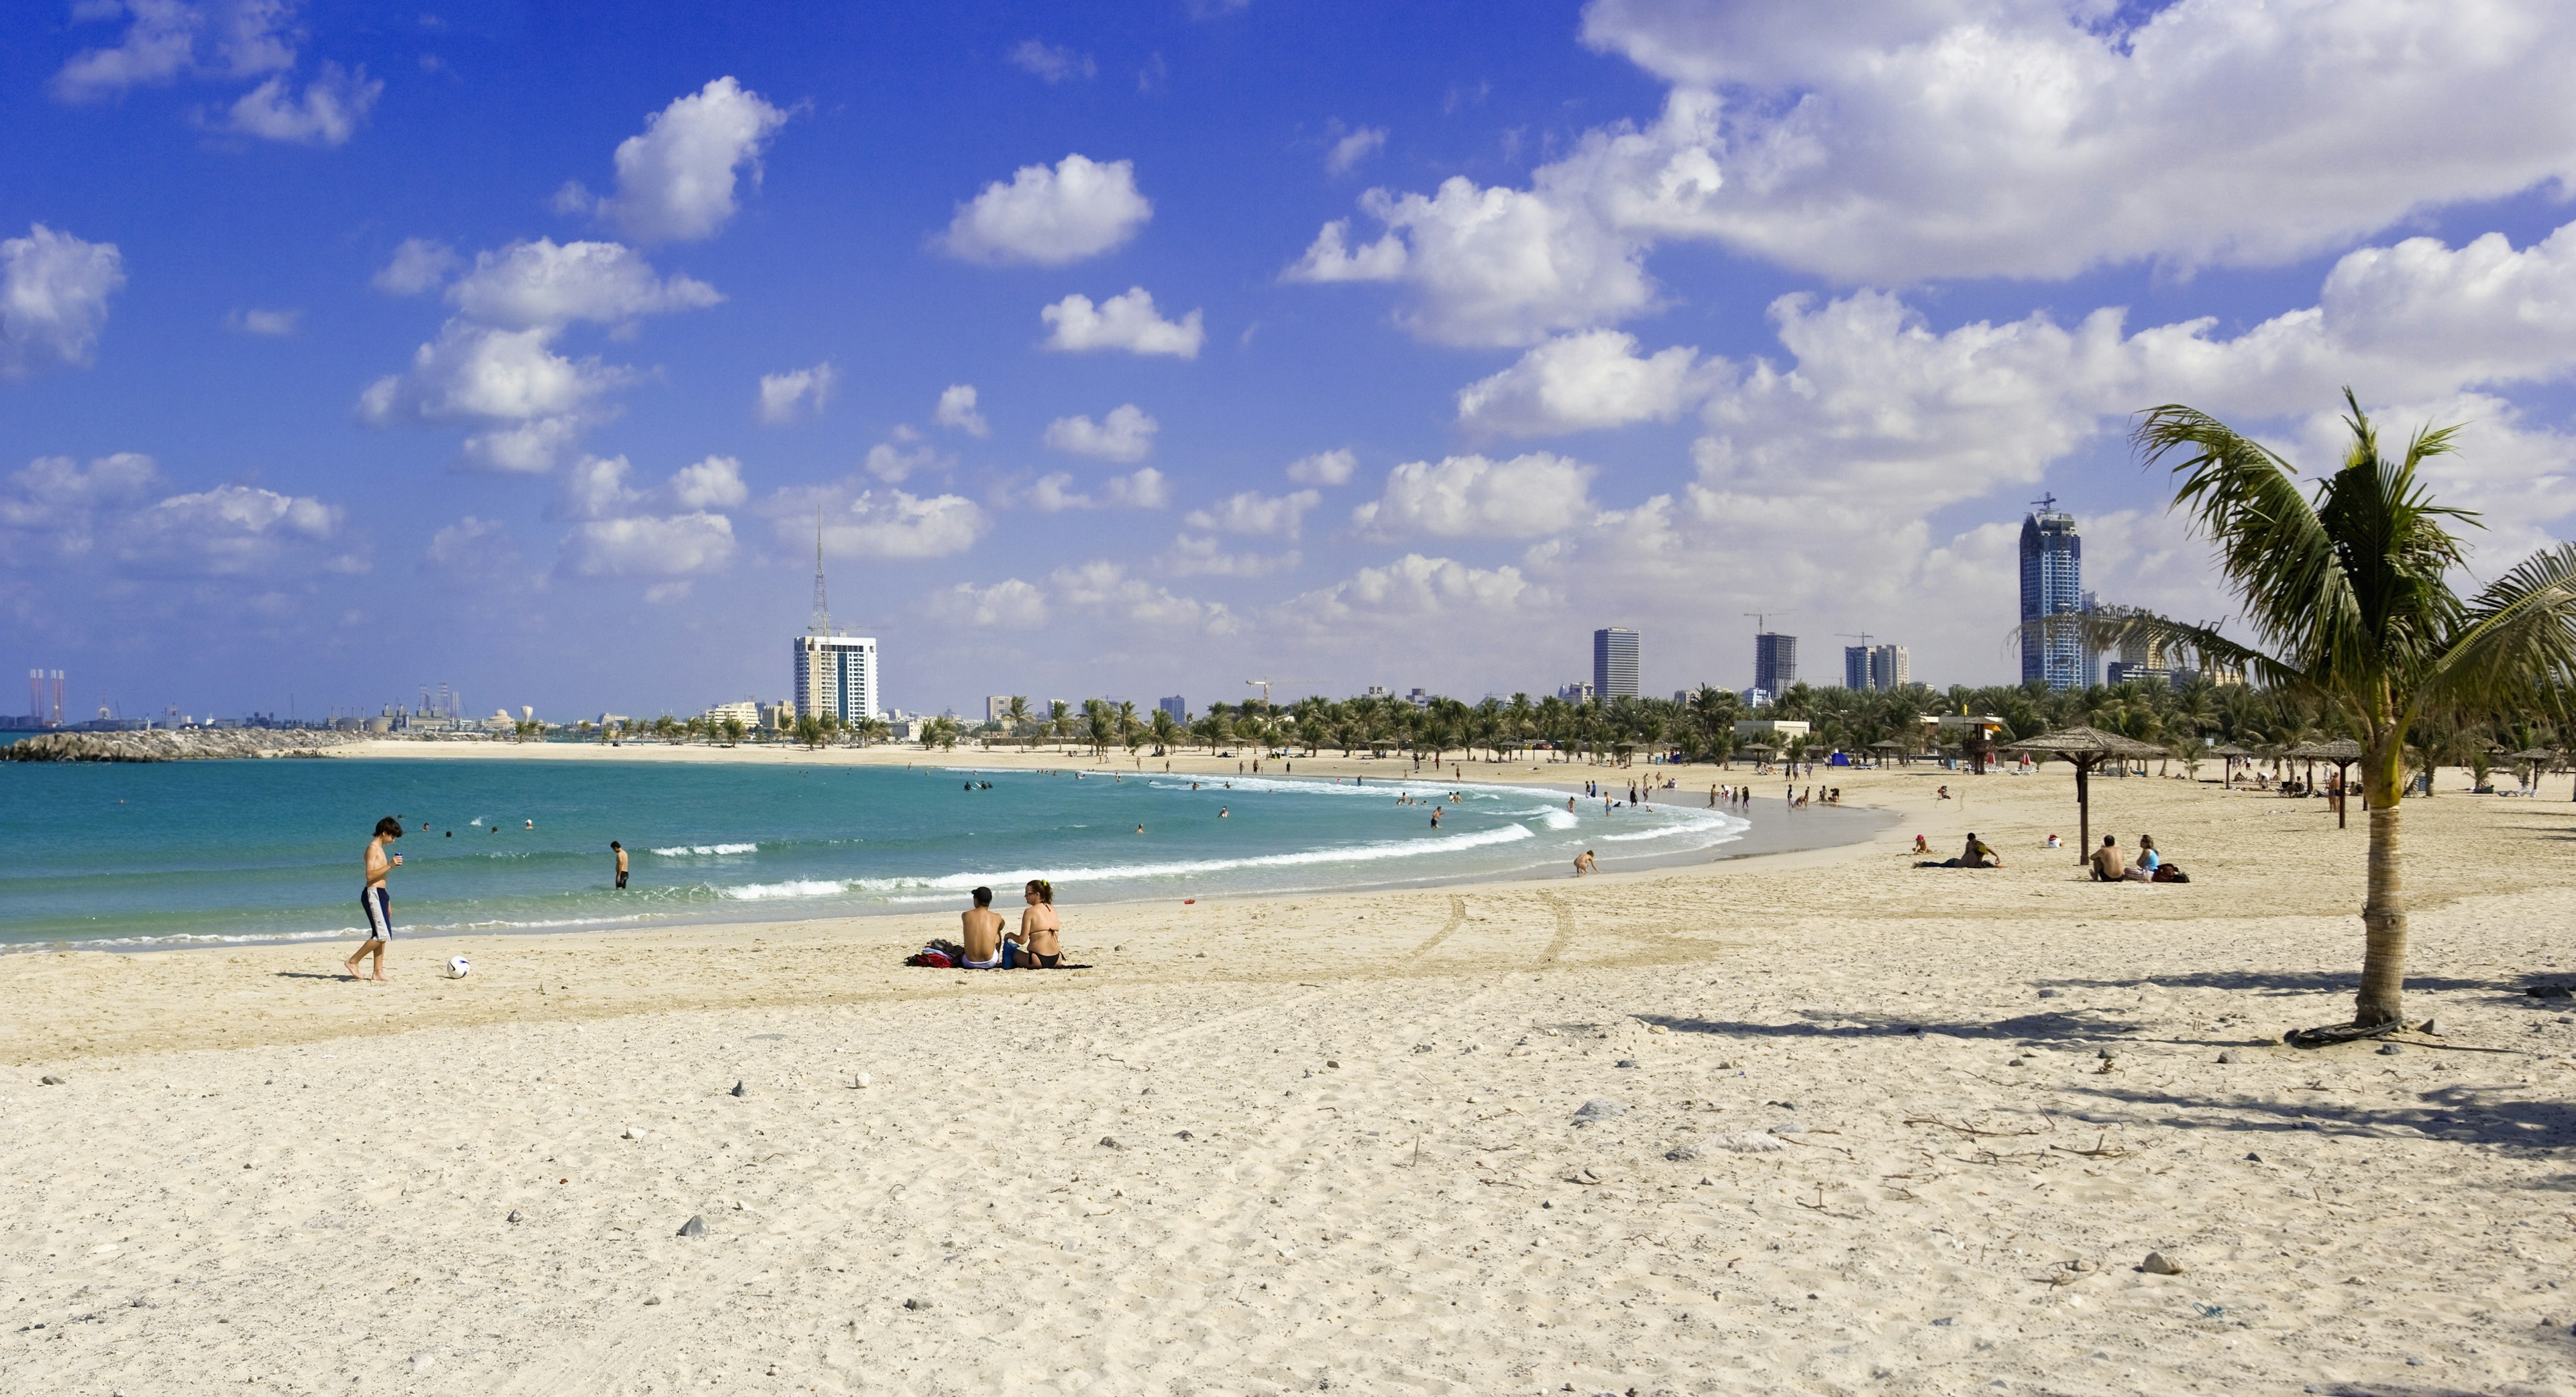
{"points": [[2108, 865], [983, 933]]}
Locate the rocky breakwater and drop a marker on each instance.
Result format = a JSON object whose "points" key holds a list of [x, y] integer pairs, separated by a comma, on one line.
{"points": [[174, 745]]}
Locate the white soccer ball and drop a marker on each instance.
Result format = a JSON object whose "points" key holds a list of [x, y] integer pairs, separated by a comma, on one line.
{"points": [[458, 967]]}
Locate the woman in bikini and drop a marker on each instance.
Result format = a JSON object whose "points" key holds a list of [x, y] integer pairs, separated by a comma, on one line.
{"points": [[1037, 936]]}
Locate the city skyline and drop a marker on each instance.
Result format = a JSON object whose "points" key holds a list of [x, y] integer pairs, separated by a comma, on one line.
{"points": [[1145, 349]]}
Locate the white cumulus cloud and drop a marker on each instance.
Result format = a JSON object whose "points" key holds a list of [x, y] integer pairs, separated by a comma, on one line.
{"points": [[1415, 587], [334, 103], [957, 409], [1078, 209], [416, 266], [1473, 497], [169, 39], [269, 323], [676, 181], [679, 545], [1500, 266], [1252, 512], [1579, 382], [869, 523], [784, 395], [1126, 434], [1127, 322], [1350, 150], [1324, 467], [1106, 589], [2041, 137], [1142, 488], [713, 483], [542, 283], [1009, 604], [1051, 63], [53, 298]]}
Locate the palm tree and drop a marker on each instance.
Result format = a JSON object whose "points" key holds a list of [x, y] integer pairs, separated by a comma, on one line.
{"points": [[1017, 715], [1060, 718], [1166, 731], [2350, 601]]}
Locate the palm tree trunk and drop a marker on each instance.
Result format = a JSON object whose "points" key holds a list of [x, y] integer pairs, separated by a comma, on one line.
{"points": [[2383, 911]]}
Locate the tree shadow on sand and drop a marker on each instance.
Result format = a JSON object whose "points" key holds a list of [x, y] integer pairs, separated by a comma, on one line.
{"points": [[2276, 982], [2055, 1025], [2461, 1115]]}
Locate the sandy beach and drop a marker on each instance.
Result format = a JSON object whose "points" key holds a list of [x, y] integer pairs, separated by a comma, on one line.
{"points": [[1816, 1122]]}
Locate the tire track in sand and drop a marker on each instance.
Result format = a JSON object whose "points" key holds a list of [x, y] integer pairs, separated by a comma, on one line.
{"points": [[1457, 919], [1564, 927]]}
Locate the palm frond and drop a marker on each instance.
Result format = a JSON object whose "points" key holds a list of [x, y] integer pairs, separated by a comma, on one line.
{"points": [[2114, 631], [2274, 550], [2519, 637]]}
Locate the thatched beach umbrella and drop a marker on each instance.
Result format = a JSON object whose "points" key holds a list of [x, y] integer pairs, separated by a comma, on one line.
{"points": [[2233, 754], [2084, 749], [1887, 749], [2343, 752], [2535, 758]]}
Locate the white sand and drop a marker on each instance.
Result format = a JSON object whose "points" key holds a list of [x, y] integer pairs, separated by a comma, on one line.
{"points": [[1415, 1219]]}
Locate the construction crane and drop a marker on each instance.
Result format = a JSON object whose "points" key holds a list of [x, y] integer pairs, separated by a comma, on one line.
{"points": [[1266, 683], [1761, 621]]}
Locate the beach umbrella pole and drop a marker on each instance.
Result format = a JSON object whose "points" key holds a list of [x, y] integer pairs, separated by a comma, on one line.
{"points": [[2083, 811]]}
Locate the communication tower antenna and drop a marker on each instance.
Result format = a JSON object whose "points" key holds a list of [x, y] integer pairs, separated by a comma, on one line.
{"points": [[822, 622]]}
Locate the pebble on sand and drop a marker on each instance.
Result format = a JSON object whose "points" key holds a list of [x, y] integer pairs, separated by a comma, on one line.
{"points": [[1600, 1108], [1627, 1062], [50, 1081], [696, 1226], [2389, 1050], [737, 1090], [916, 1304], [2228, 1055], [2158, 1264], [632, 1132], [513, 1217], [1108, 1142]]}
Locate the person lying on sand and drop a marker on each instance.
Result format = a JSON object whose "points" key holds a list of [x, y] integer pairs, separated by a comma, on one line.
{"points": [[983, 933]]}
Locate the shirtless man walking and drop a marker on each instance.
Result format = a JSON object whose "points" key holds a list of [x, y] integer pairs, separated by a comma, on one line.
{"points": [[378, 902], [620, 851]]}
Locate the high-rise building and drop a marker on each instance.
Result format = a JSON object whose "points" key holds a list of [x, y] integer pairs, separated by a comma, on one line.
{"points": [[836, 675], [997, 707], [1875, 667], [1775, 662], [1614, 662], [1888, 668], [2052, 594], [1175, 705], [1576, 692]]}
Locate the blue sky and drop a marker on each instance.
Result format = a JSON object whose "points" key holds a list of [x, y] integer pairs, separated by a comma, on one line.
{"points": [[350, 349]]}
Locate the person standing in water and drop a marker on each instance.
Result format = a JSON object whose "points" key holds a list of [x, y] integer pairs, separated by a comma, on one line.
{"points": [[373, 896], [620, 851]]}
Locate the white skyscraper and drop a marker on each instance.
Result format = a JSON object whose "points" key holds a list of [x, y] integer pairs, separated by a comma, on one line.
{"points": [[836, 675]]}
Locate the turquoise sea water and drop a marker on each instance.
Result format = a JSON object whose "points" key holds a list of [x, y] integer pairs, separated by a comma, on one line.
{"points": [[181, 853]]}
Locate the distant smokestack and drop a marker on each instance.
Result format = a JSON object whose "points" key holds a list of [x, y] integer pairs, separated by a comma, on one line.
{"points": [[58, 698]]}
